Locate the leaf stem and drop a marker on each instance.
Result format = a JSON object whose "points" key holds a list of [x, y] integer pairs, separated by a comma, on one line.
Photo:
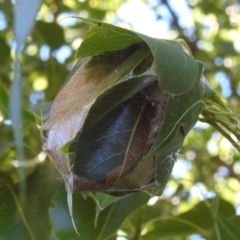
{"points": [[223, 132], [222, 119]]}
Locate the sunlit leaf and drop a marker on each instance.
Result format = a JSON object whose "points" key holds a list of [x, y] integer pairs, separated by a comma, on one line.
{"points": [[103, 37], [176, 70]]}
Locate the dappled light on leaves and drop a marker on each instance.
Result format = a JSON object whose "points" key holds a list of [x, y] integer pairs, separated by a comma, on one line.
{"points": [[117, 130], [122, 121], [135, 126], [132, 143]]}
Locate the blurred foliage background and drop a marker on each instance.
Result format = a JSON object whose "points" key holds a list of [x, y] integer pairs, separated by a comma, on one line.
{"points": [[208, 166]]}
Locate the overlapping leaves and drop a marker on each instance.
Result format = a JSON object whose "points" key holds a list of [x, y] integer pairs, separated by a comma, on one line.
{"points": [[97, 95], [93, 123]]}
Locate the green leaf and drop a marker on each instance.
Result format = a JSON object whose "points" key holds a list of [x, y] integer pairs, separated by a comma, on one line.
{"points": [[103, 37], [65, 148], [235, 220], [226, 209], [146, 215], [5, 146], [197, 220], [4, 100], [109, 221], [49, 33], [40, 111], [226, 229], [111, 218], [102, 201], [176, 70], [215, 206], [180, 115], [30, 221], [8, 210], [83, 212], [180, 76], [5, 51], [165, 159]]}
